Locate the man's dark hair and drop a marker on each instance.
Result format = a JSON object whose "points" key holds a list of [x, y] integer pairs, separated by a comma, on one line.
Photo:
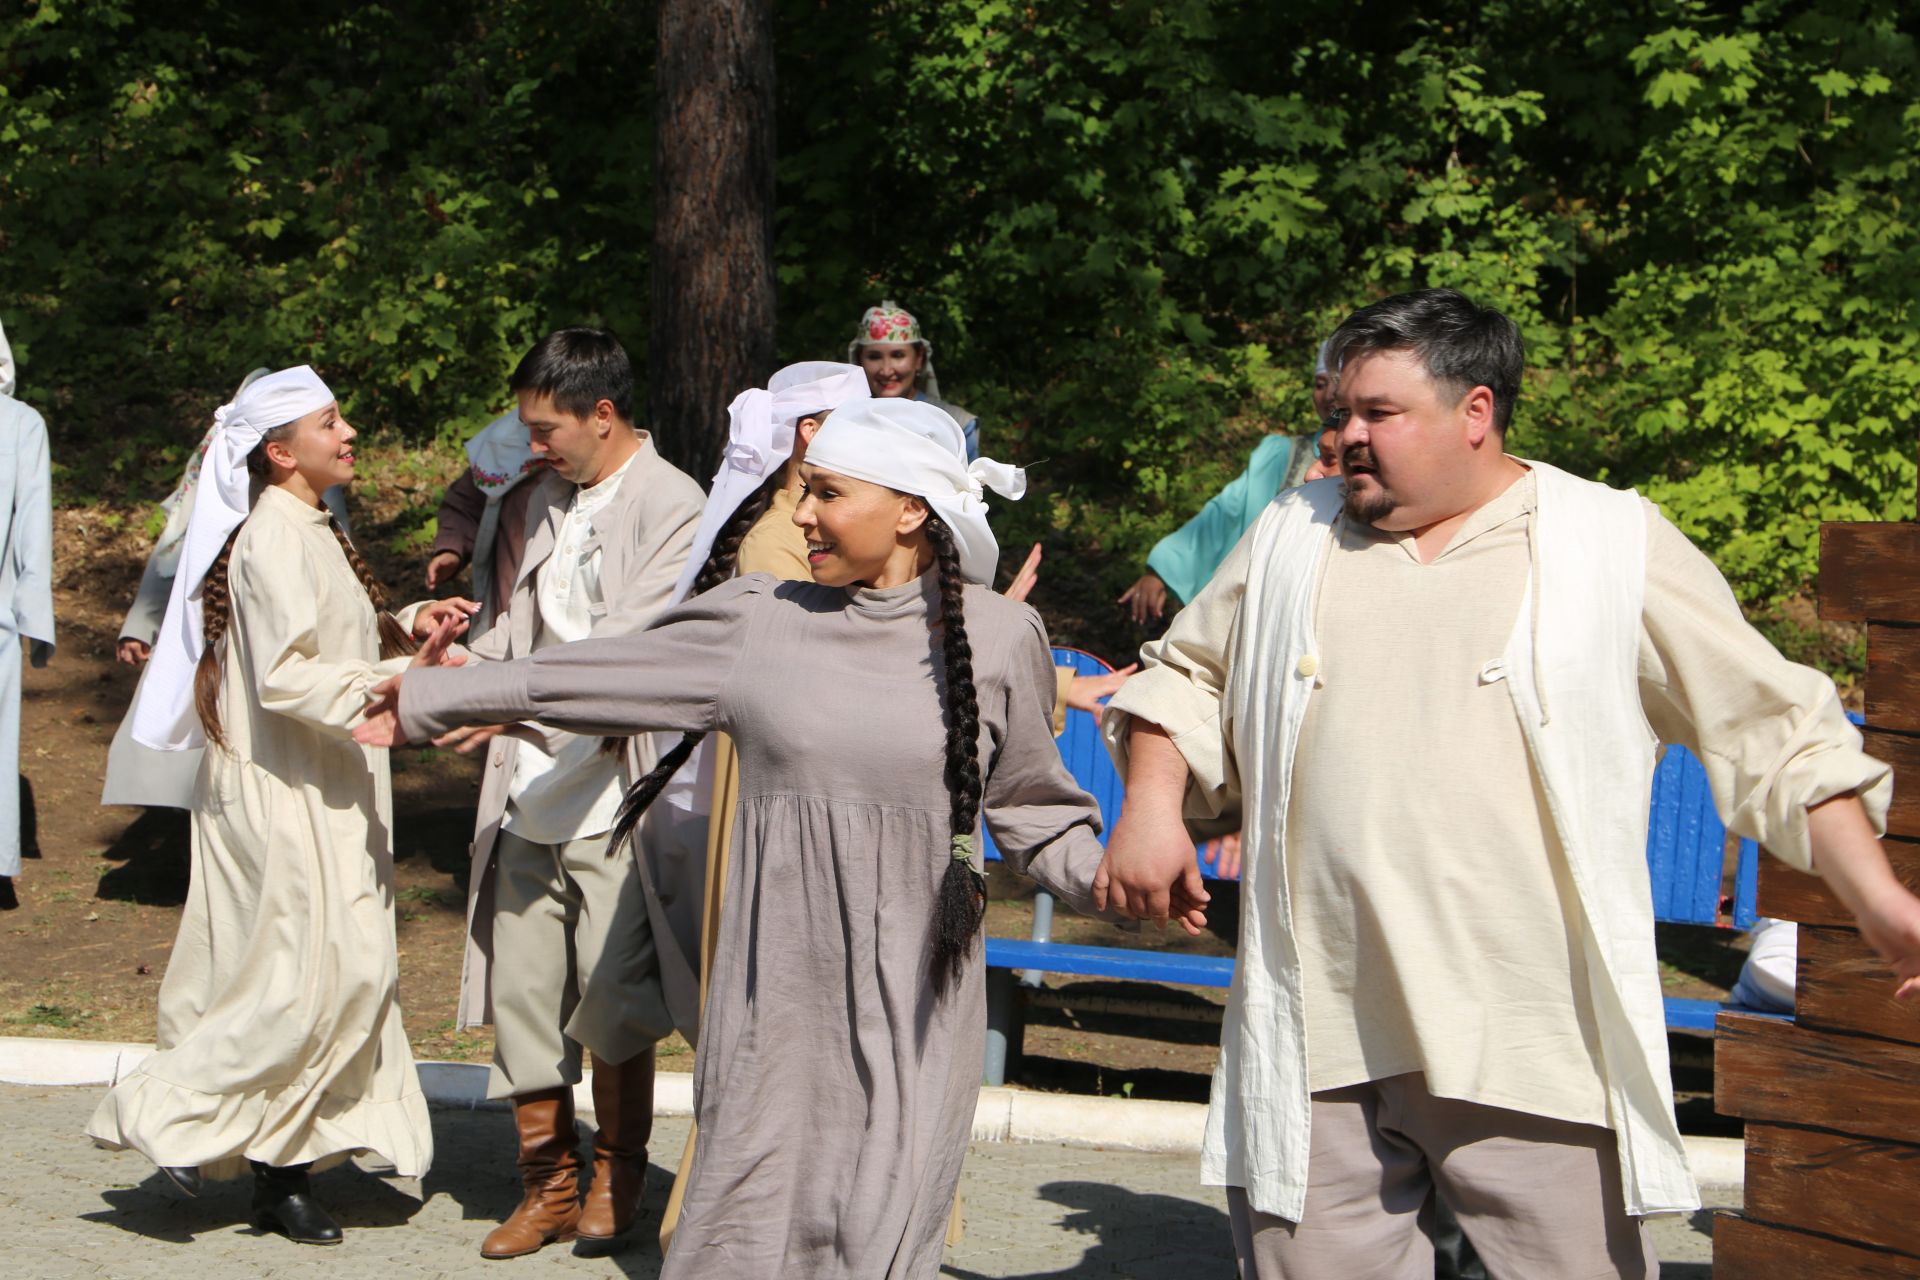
{"points": [[1461, 344], [578, 367]]}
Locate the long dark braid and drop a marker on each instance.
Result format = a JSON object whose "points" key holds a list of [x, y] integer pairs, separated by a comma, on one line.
{"points": [[962, 904], [725, 556], [395, 640], [722, 560], [216, 611]]}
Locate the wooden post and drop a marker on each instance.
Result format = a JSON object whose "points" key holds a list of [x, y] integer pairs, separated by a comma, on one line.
{"points": [[1832, 1100], [711, 334]]}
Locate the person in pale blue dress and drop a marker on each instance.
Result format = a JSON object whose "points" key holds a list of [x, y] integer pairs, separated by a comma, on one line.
{"points": [[1180, 563], [26, 589]]}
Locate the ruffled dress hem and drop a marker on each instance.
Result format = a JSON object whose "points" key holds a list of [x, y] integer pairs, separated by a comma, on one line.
{"points": [[218, 1134]]}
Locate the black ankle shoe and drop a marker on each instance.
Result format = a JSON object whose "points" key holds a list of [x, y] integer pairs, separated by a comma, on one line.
{"points": [[283, 1202], [9, 900], [188, 1180]]}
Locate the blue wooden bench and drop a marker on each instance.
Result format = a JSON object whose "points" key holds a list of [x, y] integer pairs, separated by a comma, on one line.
{"points": [[1686, 857]]}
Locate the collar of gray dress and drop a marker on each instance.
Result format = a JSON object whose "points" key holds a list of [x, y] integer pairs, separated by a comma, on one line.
{"points": [[922, 595]]}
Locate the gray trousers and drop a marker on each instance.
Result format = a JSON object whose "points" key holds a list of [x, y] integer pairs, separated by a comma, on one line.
{"points": [[573, 963], [1537, 1197]]}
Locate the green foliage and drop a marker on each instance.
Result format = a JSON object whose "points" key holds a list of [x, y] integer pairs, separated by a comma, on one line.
{"points": [[1126, 225], [1132, 222], [405, 201]]}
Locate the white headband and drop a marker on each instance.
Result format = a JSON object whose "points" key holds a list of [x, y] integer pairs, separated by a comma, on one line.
{"points": [[163, 714], [916, 448], [1320, 360], [760, 433]]}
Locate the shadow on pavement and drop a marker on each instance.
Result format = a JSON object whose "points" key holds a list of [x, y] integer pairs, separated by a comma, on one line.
{"points": [[1145, 1237], [357, 1200], [153, 853]]}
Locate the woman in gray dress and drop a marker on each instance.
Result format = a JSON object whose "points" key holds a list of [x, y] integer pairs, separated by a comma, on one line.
{"points": [[880, 712]]}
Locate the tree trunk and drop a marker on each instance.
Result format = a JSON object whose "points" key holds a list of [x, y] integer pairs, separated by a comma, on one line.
{"points": [[713, 292]]}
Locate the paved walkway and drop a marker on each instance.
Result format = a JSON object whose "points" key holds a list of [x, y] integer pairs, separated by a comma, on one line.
{"points": [[1034, 1212]]}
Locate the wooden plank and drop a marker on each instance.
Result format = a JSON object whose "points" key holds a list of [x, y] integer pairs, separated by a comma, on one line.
{"points": [[1858, 1189], [1787, 894], [1748, 1250], [1893, 676], [1779, 1072], [1843, 986], [1902, 751], [1870, 570]]}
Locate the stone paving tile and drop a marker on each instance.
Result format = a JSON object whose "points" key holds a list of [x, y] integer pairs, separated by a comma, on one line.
{"points": [[1032, 1212]]}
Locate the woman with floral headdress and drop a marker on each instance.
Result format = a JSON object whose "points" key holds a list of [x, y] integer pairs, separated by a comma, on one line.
{"points": [[881, 712], [280, 1039], [898, 360]]}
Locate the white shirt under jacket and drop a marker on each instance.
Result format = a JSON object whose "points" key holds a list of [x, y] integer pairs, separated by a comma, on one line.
{"points": [[575, 792]]}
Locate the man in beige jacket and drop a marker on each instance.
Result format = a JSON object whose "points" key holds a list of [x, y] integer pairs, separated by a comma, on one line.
{"points": [[572, 945]]}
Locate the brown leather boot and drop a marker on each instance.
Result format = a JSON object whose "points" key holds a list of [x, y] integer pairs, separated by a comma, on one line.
{"points": [[623, 1106], [550, 1171]]}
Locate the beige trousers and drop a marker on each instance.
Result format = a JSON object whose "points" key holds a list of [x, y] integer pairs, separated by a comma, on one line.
{"points": [[1537, 1197], [573, 963]]}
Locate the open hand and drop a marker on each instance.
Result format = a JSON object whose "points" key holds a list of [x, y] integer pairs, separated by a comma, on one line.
{"points": [[1023, 581], [1223, 855], [381, 728], [1891, 925], [470, 738], [1086, 693], [1146, 599], [434, 612], [435, 649]]}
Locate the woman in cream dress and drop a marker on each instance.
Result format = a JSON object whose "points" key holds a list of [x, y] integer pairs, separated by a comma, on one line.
{"points": [[280, 1039]]}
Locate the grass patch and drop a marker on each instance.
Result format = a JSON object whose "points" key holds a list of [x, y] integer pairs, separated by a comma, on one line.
{"points": [[49, 1015]]}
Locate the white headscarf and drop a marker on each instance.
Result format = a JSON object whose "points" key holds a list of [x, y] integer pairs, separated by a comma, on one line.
{"points": [[500, 456], [163, 714], [913, 447], [7, 377], [179, 504], [760, 433]]}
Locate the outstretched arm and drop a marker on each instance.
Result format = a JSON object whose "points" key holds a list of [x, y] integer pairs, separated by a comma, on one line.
{"points": [[1785, 766], [1847, 854], [668, 677]]}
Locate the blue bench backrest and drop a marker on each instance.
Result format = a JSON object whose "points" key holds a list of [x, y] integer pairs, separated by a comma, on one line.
{"points": [[1686, 842]]}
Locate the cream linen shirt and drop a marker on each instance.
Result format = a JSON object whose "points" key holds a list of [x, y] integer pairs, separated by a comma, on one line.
{"points": [[1437, 919], [574, 792], [1436, 924]]}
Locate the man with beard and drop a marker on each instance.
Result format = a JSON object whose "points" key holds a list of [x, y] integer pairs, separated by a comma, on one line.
{"points": [[1435, 688]]}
